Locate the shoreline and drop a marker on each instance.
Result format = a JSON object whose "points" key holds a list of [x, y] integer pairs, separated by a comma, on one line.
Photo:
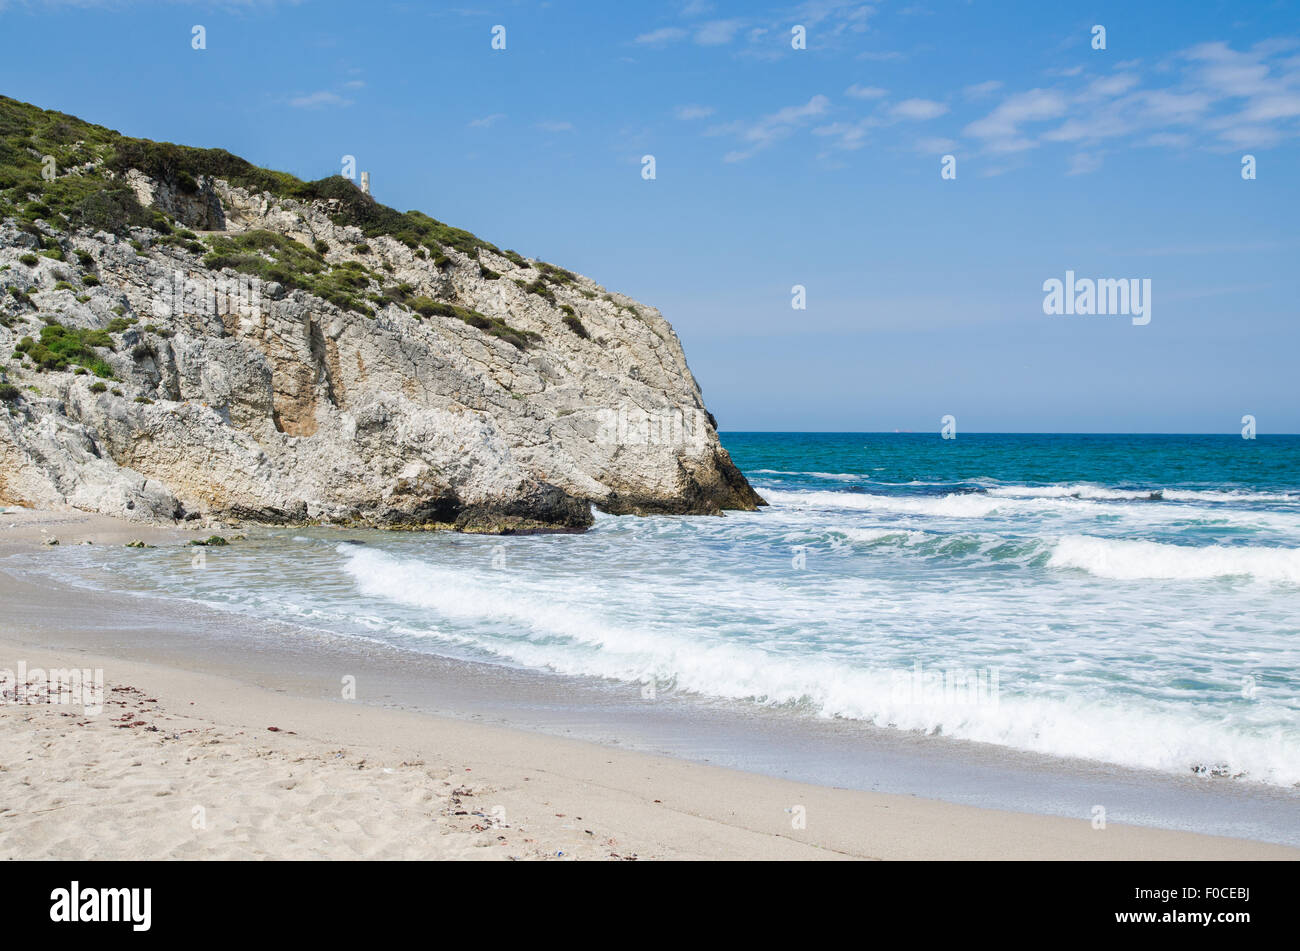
{"points": [[340, 779]]}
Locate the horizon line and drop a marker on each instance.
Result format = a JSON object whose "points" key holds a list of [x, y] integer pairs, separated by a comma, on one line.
{"points": [[970, 432]]}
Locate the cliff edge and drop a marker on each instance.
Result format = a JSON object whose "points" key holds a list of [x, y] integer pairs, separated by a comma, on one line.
{"points": [[183, 334]]}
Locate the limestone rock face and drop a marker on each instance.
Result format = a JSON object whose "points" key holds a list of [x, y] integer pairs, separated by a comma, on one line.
{"points": [[231, 397]]}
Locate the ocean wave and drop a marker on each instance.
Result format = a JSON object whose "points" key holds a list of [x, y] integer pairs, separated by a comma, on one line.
{"points": [[1087, 490], [968, 505], [986, 505], [1079, 491], [1126, 559], [539, 628], [1230, 495], [1119, 559]]}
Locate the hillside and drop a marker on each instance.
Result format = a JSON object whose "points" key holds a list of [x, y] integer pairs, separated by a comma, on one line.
{"points": [[185, 335]]}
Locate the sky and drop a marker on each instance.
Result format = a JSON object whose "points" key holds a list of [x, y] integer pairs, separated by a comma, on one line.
{"points": [[775, 167]]}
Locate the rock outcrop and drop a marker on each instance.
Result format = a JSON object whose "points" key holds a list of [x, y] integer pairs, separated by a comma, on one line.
{"points": [[212, 349]]}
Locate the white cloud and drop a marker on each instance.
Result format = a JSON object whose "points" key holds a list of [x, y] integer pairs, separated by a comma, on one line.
{"points": [[1270, 107], [1170, 140], [1209, 95], [318, 100], [849, 136], [1162, 106], [834, 17], [919, 109], [549, 126], [1000, 128], [718, 32], [1110, 86], [667, 34], [1083, 163], [693, 112], [486, 121], [980, 90], [865, 92], [935, 145], [770, 129]]}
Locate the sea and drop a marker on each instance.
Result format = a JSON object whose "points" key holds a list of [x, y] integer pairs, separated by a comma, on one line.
{"points": [[1128, 601]]}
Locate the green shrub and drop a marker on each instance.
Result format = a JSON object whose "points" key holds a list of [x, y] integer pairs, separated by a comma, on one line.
{"points": [[90, 280], [60, 346], [30, 260], [322, 247], [9, 393], [114, 209], [574, 323], [97, 387], [272, 256], [522, 339], [541, 289], [555, 275], [99, 199], [266, 255]]}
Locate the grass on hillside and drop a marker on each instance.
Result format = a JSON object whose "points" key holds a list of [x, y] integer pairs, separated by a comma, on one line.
{"points": [[88, 192]]}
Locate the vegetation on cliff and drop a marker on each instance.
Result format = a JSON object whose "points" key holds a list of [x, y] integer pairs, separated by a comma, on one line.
{"points": [[70, 174]]}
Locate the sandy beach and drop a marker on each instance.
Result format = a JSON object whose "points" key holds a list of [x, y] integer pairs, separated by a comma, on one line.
{"points": [[186, 764]]}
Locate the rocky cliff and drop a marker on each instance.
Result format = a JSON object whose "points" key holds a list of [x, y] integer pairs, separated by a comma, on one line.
{"points": [[183, 334]]}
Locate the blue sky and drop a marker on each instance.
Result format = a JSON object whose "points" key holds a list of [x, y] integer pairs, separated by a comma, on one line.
{"points": [[777, 167]]}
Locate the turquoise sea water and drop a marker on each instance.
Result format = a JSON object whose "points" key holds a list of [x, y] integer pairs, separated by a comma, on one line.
{"points": [[1128, 599]]}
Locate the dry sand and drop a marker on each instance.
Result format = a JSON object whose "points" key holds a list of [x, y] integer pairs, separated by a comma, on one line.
{"points": [[184, 764]]}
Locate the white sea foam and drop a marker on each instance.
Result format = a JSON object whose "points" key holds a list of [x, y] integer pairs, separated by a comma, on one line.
{"points": [[1198, 495], [873, 535], [985, 505], [547, 626], [1080, 491], [1085, 490], [973, 505], [1126, 559]]}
